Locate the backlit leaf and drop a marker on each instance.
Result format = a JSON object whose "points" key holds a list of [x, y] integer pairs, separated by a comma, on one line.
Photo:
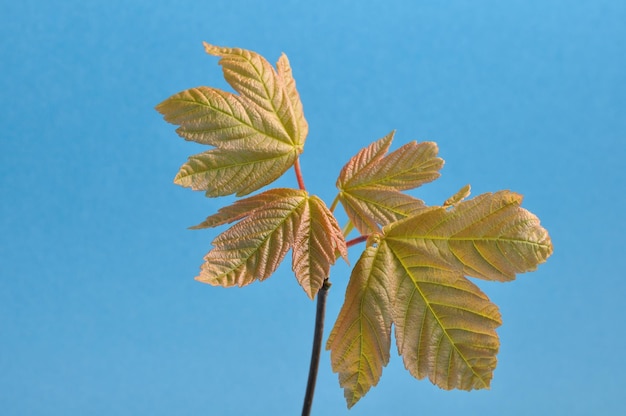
{"points": [[253, 77], [445, 326], [319, 240], [369, 206], [269, 225], [363, 160], [258, 134], [254, 247], [222, 172], [244, 207], [361, 338], [490, 236], [410, 166], [370, 183]]}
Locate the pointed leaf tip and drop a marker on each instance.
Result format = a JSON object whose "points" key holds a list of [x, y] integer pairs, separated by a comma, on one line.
{"points": [[371, 182]]}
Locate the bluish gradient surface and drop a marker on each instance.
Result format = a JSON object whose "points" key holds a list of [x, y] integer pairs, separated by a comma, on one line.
{"points": [[99, 312]]}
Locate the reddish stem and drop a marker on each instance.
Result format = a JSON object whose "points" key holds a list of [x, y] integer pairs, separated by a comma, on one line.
{"points": [[296, 167], [357, 240]]}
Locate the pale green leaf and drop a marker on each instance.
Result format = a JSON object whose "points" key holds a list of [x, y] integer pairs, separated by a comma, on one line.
{"points": [[218, 118], [292, 101], [370, 183], [445, 326], [253, 248], [410, 166], [369, 206], [315, 249], [490, 236], [222, 172], [244, 207], [271, 223], [361, 337], [259, 133], [363, 161], [253, 77]]}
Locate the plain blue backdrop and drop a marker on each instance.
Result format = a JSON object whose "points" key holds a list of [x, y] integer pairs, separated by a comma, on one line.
{"points": [[99, 312]]}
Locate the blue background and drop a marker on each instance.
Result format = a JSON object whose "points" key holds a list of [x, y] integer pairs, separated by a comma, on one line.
{"points": [[99, 312]]}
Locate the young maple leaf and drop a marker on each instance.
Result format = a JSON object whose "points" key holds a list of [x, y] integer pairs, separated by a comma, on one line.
{"points": [[269, 225], [413, 276], [370, 183], [257, 134]]}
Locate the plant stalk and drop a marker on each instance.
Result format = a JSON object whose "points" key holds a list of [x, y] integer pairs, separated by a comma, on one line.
{"points": [[296, 167], [318, 334]]}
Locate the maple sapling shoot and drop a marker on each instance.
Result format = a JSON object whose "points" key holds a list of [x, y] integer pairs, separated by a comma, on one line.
{"points": [[413, 273]]}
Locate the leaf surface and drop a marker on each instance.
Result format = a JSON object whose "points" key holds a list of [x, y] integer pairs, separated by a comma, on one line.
{"points": [[253, 248], [444, 325], [253, 77], [369, 206], [242, 208], [269, 225], [258, 133], [370, 183], [490, 236], [222, 172], [319, 240], [361, 337]]}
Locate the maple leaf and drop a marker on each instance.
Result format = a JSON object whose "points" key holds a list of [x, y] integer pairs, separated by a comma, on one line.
{"points": [[413, 275], [269, 225], [257, 134], [317, 243], [370, 183], [360, 340]]}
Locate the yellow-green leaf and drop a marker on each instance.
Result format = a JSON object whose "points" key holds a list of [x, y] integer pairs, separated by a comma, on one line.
{"points": [[315, 249], [369, 206], [222, 172], [370, 183], [253, 77], [490, 237], [258, 134], [363, 161], [360, 340], [244, 207], [270, 224], [254, 247], [218, 118], [410, 166], [445, 326]]}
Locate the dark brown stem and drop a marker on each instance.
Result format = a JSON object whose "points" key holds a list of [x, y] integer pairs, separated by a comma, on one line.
{"points": [[318, 334]]}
